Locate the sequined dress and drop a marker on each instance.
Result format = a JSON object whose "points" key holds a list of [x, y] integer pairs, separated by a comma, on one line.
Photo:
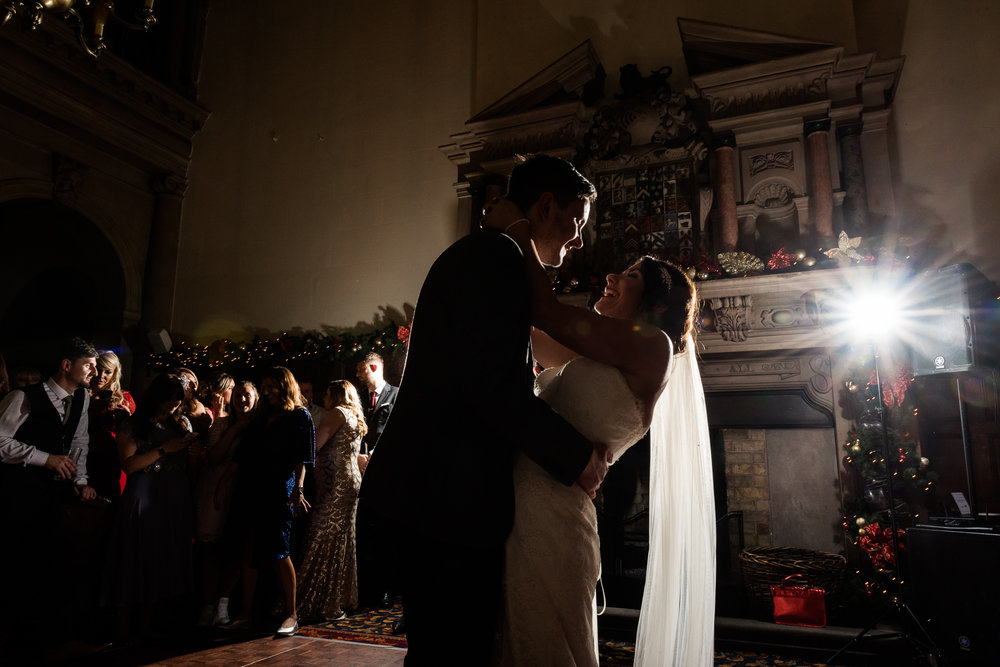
{"points": [[328, 575]]}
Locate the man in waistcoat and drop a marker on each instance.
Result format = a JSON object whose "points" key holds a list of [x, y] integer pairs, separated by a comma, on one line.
{"points": [[43, 466]]}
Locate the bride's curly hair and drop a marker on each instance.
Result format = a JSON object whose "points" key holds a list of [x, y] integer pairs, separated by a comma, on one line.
{"points": [[669, 299]]}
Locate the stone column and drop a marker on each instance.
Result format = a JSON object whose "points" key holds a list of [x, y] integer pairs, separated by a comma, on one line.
{"points": [[875, 157], [724, 182], [161, 258], [856, 197], [820, 187]]}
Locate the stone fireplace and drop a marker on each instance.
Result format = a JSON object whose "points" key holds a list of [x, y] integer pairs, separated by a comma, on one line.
{"points": [[777, 143]]}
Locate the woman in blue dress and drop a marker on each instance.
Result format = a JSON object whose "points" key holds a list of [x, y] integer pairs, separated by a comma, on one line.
{"points": [[276, 448]]}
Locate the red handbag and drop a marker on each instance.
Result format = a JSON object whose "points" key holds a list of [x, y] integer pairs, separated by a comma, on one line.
{"points": [[799, 605]]}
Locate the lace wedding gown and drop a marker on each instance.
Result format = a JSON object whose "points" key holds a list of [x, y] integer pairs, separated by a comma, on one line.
{"points": [[553, 554]]}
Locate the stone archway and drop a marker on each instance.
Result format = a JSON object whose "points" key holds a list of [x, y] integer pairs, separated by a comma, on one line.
{"points": [[60, 276]]}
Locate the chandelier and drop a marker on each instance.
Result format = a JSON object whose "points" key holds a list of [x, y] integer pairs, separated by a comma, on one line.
{"points": [[88, 17]]}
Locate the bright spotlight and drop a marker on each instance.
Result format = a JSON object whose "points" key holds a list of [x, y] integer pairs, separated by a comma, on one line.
{"points": [[874, 316], [874, 307]]}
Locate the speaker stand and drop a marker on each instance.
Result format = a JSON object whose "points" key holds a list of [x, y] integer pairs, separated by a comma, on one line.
{"points": [[903, 612]]}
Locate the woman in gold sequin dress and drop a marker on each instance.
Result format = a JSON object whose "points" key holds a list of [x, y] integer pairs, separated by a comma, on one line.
{"points": [[328, 579]]}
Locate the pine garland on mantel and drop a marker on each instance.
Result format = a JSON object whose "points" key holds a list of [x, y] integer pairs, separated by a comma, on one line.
{"points": [[286, 349]]}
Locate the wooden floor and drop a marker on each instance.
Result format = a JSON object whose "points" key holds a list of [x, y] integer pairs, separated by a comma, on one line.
{"points": [[286, 652]]}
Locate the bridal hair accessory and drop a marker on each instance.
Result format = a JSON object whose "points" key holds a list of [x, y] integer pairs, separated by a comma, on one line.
{"points": [[664, 276]]}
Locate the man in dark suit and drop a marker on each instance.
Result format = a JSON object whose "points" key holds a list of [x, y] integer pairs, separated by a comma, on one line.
{"points": [[375, 569], [44, 444], [377, 399], [441, 479]]}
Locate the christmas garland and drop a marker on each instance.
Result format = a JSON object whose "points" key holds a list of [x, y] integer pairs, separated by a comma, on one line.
{"points": [[283, 350]]}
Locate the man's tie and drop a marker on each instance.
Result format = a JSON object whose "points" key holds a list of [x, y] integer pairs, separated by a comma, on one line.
{"points": [[67, 402], [374, 398]]}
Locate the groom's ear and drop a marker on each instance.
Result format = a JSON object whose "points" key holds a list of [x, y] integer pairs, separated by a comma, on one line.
{"points": [[545, 206]]}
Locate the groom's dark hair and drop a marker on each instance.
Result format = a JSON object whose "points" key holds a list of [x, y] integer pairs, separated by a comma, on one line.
{"points": [[544, 173]]}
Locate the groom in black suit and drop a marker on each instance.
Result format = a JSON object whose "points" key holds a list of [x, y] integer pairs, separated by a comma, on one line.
{"points": [[441, 479]]}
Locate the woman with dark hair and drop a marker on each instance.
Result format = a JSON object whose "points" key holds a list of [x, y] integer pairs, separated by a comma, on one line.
{"points": [[149, 558], [627, 367], [197, 412], [328, 583], [273, 455]]}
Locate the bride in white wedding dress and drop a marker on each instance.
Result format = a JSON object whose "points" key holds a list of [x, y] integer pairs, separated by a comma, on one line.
{"points": [[620, 378]]}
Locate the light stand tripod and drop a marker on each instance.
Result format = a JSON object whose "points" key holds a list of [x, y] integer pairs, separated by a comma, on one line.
{"points": [[903, 612]]}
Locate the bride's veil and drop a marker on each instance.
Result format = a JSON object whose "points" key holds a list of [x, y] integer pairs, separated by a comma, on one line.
{"points": [[678, 604]]}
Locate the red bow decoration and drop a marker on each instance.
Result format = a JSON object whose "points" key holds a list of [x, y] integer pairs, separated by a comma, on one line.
{"points": [[877, 543], [894, 391]]}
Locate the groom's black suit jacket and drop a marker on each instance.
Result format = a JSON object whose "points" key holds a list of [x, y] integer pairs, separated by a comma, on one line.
{"points": [[443, 465]]}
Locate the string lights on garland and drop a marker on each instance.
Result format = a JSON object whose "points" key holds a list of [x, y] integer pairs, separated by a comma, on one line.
{"points": [[284, 350]]}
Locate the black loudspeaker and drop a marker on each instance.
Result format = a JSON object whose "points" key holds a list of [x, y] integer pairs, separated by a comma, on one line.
{"points": [[955, 323], [954, 590]]}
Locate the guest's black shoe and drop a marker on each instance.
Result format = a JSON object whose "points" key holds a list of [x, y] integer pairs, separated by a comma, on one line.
{"points": [[386, 601], [399, 627]]}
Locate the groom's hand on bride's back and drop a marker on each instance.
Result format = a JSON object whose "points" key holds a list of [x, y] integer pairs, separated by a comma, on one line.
{"points": [[593, 475]]}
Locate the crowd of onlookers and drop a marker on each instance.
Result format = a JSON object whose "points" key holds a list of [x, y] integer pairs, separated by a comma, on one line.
{"points": [[216, 502]]}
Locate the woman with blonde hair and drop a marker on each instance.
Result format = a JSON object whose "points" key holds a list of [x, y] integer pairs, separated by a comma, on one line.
{"points": [[276, 448], [328, 583], [216, 485], [109, 406]]}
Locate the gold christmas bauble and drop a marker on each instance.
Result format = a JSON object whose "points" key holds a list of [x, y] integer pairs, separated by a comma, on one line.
{"points": [[860, 521], [702, 275], [809, 261], [800, 254]]}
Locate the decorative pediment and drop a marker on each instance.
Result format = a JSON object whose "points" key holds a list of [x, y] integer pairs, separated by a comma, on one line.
{"points": [[709, 47], [578, 75]]}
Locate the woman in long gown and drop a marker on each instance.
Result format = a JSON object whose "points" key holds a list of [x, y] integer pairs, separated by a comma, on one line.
{"points": [[149, 557], [627, 380], [328, 575]]}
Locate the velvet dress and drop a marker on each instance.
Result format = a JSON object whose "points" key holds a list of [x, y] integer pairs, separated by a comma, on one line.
{"points": [[267, 458]]}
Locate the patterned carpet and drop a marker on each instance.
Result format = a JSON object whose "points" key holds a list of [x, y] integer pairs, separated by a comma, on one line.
{"points": [[374, 626]]}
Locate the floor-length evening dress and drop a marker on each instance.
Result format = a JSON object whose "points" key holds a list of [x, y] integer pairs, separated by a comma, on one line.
{"points": [[328, 575]]}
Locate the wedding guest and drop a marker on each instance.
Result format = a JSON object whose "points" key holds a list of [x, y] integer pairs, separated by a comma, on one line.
{"points": [[215, 486], [197, 413], [217, 392], [316, 411], [232, 543], [25, 376], [276, 448], [328, 580], [149, 559], [109, 406], [374, 566], [378, 398], [43, 471]]}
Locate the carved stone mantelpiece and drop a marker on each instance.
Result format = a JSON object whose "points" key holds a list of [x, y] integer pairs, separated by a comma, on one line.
{"points": [[776, 311], [730, 315]]}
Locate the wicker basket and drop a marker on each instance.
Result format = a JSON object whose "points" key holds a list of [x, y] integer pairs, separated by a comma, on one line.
{"points": [[764, 566]]}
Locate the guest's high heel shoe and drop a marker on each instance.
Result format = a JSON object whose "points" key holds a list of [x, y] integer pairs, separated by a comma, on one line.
{"points": [[289, 628]]}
